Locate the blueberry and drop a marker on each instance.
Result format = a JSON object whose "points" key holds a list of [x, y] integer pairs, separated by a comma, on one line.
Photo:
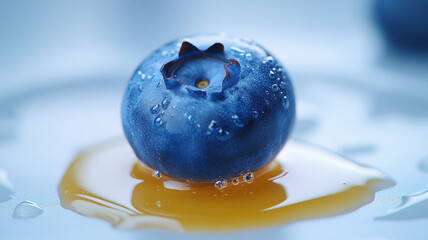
{"points": [[404, 22], [208, 107]]}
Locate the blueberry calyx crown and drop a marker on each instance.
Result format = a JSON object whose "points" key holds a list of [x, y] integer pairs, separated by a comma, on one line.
{"points": [[202, 73]]}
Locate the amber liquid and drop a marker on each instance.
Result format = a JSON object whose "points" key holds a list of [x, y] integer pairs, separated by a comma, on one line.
{"points": [[109, 183]]}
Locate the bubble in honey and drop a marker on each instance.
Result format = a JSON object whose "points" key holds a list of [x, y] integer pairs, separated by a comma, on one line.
{"points": [[304, 182]]}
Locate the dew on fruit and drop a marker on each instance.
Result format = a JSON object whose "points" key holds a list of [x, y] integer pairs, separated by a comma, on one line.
{"points": [[237, 121], [158, 121], [143, 76], [190, 119], [285, 102], [213, 124], [149, 77], [6, 191], [155, 109], [27, 209], [254, 114], [423, 164], [235, 181], [272, 74], [275, 87], [248, 177], [283, 84], [223, 135], [157, 174], [165, 102], [268, 60], [248, 56]]}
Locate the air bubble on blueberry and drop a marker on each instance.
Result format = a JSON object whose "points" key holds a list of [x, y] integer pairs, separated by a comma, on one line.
{"points": [[248, 177], [157, 174], [237, 121], [285, 102], [275, 87], [190, 119], [269, 60], [220, 184]]}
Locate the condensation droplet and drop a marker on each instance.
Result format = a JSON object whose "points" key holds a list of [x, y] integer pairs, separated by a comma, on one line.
{"points": [[27, 209], [143, 76], [155, 109], [165, 102], [190, 119], [283, 84], [272, 74], [237, 121], [149, 77], [268, 60], [158, 121], [275, 87], [223, 135], [248, 177], [213, 124], [285, 102], [157, 174], [254, 114], [248, 56]]}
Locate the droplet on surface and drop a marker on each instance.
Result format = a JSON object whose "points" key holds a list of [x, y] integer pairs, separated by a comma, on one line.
{"points": [[237, 121], [413, 206], [285, 102], [283, 84], [223, 135], [190, 119], [213, 124], [158, 121], [269, 60], [157, 174], [272, 74], [248, 177], [254, 114], [155, 109], [143, 76], [6, 191], [27, 209], [275, 87], [165, 102]]}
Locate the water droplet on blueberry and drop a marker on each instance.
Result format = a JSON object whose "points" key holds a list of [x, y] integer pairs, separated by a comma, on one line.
{"points": [[248, 56], [165, 102], [275, 87], [254, 114], [155, 109], [158, 121], [223, 135]]}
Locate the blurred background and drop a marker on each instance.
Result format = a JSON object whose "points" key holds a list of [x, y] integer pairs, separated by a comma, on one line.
{"points": [[360, 77]]}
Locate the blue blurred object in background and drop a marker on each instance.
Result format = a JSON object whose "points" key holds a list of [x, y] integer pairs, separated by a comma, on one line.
{"points": [[404, 22]]}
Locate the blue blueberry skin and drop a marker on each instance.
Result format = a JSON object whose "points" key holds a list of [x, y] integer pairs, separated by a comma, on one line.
{"points": [[404, 22], [236, 124]]}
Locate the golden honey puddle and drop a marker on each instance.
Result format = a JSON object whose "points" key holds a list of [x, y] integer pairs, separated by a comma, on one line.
{"points": [[305, 182]]}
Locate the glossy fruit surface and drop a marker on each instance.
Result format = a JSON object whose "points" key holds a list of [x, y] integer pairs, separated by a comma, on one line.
{"points": [[208, 107]]}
